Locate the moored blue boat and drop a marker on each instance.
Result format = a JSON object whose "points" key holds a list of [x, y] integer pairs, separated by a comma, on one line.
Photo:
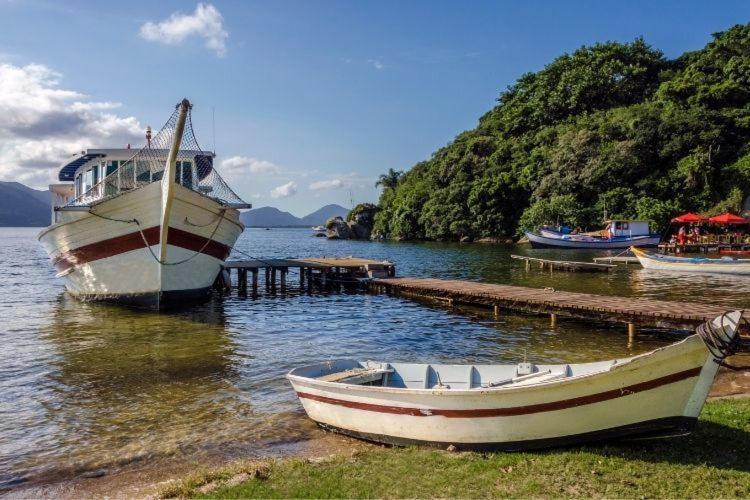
{"points": [[618, 234]]}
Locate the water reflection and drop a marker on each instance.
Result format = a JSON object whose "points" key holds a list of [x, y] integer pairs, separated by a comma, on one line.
{"points": [[722, 289]]}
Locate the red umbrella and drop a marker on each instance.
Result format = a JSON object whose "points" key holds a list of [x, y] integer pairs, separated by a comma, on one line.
{"points": [[688, 218], [728, 218]]}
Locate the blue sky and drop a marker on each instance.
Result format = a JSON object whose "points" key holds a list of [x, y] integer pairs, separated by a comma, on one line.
{"points": [[312, 100]]}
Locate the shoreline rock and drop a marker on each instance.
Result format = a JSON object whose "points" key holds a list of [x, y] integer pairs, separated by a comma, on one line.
{"points": [[358, 228]]}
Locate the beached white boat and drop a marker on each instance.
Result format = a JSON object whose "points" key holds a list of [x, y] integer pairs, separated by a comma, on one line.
{"points": [[722, 265], [148, 227], [524, 406]]}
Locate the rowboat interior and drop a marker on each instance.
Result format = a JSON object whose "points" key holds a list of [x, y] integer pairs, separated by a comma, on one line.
{"points": [[449, 377]]}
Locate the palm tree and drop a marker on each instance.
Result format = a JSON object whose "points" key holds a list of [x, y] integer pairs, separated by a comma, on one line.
{"points": [[390, 179]]}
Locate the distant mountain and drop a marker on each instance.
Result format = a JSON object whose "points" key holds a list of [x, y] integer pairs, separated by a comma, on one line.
{"points": [[273, 217], [320, 216], [21, 206], [269, 217]]}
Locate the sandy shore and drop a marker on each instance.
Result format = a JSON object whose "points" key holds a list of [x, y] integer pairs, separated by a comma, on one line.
{"points": [[146, 479]]}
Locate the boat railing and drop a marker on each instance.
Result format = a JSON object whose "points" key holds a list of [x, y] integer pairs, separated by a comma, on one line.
{"points": [[194, 170]]}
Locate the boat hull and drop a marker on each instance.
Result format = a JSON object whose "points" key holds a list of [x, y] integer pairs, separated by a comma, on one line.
{"points": [[539, 241], [662, 427], [110, 257], [692, 265], [660, 393]]}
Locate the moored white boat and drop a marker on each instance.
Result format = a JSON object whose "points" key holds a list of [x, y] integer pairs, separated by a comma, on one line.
{"points": [[524, 406], [722, 265], [124, 231]]}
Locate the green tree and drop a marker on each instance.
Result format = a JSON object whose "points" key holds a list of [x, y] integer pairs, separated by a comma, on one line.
{"points": [[613, 125], [390, 179]]}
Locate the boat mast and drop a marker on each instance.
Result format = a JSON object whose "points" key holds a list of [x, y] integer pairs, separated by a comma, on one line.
{"points": [[168, 180]]}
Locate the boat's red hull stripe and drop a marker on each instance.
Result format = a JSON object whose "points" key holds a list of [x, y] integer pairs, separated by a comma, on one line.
{"points": [[512, 411], [134, 241]]}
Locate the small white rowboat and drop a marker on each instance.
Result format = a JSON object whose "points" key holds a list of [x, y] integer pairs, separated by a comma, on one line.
{"points": [[524, 406], [723, 265]]}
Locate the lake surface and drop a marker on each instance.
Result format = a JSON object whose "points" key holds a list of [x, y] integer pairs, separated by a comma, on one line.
{"points": [[85, 386]]}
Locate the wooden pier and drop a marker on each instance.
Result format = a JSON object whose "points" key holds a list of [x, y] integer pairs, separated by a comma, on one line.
{"points": [[565, 265], [632, 311], [323, 271]]}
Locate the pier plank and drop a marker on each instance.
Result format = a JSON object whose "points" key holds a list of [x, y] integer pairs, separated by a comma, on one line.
{"points": [[649, 312]]}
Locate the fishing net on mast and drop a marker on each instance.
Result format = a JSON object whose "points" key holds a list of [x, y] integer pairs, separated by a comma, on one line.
{"points": [[194, 168]]}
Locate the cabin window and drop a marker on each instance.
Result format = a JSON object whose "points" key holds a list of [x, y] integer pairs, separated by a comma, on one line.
{"points": [[87, 180], [625, 226], [112, 167], [186, 174], [94, 175], [143, 171], [79, 185]]}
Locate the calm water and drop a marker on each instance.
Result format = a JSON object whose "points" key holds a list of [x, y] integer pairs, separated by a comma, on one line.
{"points": [[85, 386]]}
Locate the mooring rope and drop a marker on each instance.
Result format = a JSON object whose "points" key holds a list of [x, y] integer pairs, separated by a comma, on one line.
{"points": [[719, 344], [148, 246]]}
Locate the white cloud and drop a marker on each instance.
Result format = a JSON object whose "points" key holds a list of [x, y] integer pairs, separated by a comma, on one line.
{"points": [[206, 22], [285, 190], [376, 63], [41, 124], [236, 166], [331, 184]]}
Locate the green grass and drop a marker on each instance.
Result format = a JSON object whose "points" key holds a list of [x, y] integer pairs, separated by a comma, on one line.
{"points": [[712, 462]]}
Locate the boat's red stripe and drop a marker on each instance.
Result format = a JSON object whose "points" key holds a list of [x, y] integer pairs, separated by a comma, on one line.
{"points": [[511, 411], [133, 241]]}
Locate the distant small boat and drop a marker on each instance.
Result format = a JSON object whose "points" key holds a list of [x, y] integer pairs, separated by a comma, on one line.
{"points": [[319, 228], [523, 406], [723, 265], [622, 234]]}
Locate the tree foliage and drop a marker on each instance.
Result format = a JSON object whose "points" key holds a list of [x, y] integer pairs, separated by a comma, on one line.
{"points": [[615, 126]]}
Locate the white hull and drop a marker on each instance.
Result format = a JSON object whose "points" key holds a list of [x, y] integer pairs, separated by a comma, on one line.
{"points": [[102, 258], [658, 392], [725, 265]]}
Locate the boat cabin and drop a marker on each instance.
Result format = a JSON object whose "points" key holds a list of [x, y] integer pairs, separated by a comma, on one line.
{"points": [[627, 228], [94, 174]]}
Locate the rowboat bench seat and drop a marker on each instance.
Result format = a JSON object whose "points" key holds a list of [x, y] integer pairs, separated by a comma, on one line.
{"points": [[532, 378], [356, 375]]}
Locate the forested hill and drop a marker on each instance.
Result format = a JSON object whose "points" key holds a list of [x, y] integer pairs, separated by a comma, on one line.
{"points": [[615, 124]]}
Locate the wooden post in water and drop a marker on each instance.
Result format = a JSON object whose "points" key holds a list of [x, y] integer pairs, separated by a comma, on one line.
{"points": [[553, 320], [497, 310], [255, 282], [283, 271], [267, 271], [631, 334], [273, 279], [301, 278], [242, 281], [324, 278], [308, 271]]}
